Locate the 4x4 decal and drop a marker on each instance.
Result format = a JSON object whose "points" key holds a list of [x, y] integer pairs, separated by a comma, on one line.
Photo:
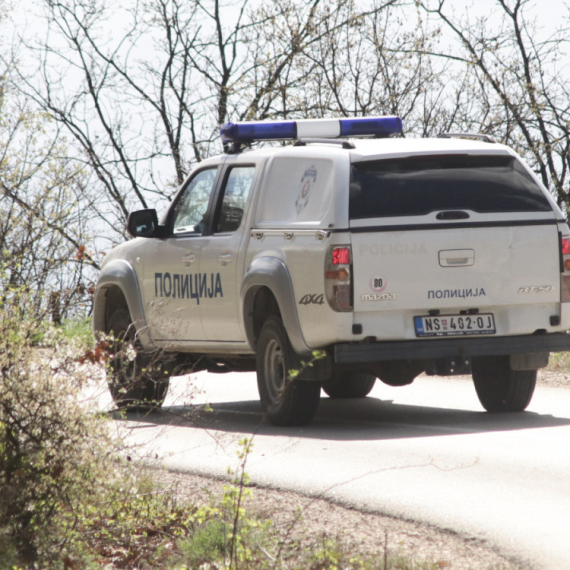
{"points": [[314, 299]]}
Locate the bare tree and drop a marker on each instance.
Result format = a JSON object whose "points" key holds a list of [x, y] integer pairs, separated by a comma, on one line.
{"points": [[140, 91], [519, 84], [376, 65], [143, 90], [43, 239]]}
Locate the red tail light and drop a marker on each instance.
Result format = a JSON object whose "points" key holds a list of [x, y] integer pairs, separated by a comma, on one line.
{"points": [[341, 255], [338, 278], [565, 277]]}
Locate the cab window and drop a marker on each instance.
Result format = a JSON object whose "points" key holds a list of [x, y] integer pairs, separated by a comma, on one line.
{"points": [[192, 205], [235, 193]]}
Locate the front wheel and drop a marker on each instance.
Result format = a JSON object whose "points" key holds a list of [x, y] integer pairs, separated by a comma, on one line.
{"points": [[138, 379], [287, 401], [499, 388]]}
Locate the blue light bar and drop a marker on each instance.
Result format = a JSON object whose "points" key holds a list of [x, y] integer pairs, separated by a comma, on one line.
{"points": [[258, 131], [373, 126], [246, 132]]}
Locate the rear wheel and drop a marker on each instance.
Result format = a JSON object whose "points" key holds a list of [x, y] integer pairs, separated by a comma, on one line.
{"points": [[138, 379], [499, 388], [287, 401], [349, 385]]}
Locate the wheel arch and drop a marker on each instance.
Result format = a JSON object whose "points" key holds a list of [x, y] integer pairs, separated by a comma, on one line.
{"points": [[117, 286], [267, 288]]}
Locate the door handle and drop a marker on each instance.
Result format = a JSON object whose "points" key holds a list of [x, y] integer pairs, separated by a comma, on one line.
{"points": [[452, 215], [189, 258], [225, 258], [456, 257]]}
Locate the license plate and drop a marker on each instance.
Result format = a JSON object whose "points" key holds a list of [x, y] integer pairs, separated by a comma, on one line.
{"points": [[455, 325]]}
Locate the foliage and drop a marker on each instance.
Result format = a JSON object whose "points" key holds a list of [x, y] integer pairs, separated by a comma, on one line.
{"points": [[144, 105], [67, 498], [94, 124], [226, 534], [79, 329], [70, 500], [52, 451], [42, 226], [517, 84]]}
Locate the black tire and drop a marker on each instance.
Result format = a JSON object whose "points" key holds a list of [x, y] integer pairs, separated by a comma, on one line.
{"points": [[349, 385], [499, 388], [287, 402], [137, 380]]}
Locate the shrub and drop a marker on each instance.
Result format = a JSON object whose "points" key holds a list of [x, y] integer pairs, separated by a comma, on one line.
{"points": [[54, 451]]}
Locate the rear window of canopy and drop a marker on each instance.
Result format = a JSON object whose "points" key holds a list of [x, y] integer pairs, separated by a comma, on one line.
{"points": [[418, 185]]}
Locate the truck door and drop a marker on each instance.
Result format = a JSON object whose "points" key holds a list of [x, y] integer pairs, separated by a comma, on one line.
{"points": [[173, 283], [222, 257]]}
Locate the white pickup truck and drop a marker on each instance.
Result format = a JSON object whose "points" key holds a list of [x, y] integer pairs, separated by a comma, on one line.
{"points": [[350, 255]]}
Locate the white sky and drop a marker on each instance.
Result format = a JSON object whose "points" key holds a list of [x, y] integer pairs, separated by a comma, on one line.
{"points": [[550, 13]]}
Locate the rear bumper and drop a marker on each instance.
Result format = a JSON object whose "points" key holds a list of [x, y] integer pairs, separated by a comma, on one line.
{"points": [[354, 353]]}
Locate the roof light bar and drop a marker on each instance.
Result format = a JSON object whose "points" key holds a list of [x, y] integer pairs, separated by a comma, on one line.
{"points": [[376, 126], [258, 131], [245, 132]]}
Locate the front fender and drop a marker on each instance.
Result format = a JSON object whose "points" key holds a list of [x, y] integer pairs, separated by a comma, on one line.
{"points": [[120, 273], [272, 273]]}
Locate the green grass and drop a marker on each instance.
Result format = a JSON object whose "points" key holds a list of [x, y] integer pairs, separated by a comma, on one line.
{"points": [[79, 329], [207, 544]]}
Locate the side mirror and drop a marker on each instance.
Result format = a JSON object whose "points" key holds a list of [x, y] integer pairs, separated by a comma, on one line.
{"points": [[143, 223]]}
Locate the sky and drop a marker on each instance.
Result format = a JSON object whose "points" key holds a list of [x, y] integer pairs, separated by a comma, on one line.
{"points": [[551, 12]]}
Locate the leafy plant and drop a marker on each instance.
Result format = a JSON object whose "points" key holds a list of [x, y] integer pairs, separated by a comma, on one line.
{"points": [[559, 361], [53, 450], [227, 535]]}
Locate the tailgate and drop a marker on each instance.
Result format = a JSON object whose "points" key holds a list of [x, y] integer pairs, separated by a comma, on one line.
{"points": [[456, 268], [510, 273]]}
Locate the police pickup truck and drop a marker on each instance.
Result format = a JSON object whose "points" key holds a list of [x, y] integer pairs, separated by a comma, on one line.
{"points": [[353, 254]]}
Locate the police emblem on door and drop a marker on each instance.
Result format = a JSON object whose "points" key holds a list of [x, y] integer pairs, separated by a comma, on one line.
{"points": [[307, 182]]}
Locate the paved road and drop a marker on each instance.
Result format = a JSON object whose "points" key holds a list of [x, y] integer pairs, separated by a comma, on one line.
{"points": [[425, 451]]}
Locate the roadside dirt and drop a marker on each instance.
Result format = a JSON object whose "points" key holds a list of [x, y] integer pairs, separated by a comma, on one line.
{"points": [[555, 378], [361, 532]]}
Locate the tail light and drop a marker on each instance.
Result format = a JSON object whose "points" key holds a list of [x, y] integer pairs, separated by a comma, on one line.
{"points": [[565, 268], [338, 278]]}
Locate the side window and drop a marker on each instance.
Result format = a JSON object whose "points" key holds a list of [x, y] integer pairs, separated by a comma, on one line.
{"points": [[191, 207], [235, 193]]}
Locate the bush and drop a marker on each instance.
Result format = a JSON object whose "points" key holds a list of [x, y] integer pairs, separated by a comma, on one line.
{"points": [[54, 451]]}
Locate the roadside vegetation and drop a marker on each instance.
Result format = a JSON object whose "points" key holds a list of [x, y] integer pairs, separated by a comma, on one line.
{"points": [[559, 362], [94, 125]]}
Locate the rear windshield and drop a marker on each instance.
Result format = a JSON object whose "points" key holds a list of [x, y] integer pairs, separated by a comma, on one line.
{"points": [[418, 185]]}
